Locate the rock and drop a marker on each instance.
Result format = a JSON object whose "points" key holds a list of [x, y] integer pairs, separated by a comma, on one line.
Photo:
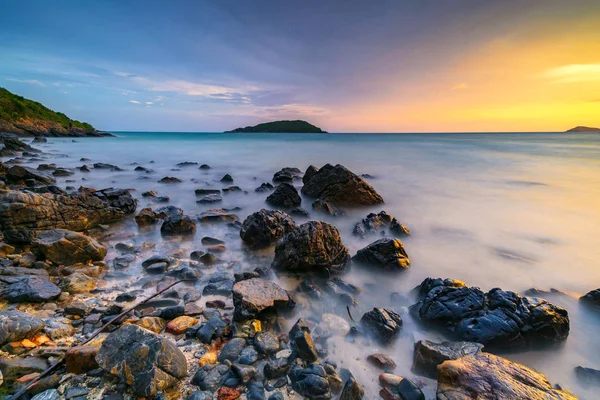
{"points": [[170, 179], [58, 328], [142, 359], [39, 139], [23, 215], [50, 394], [264, 187], [285, 195], [210, 241], [587, 376], [339, 186], [499, 319], [493, 377], [31, 289], [77, 282], [181, 324], [302, 342], [187, 164], [62, 172], [225, 393], [253, 296], [332, 325], [382, 361], [375, 223], [16, 325], [256, 391], [428, 355], [210, 198], [154, 324], [287, 174], [408, 390], [210, 376], [76, 393], [217, 215], [14, 368], [206, 192], [65, 247], [18, 174], [178, 225], [313, 246], [386, 254], [204, 166], [299, 212], [221, 286], [243, 372], [266, 343], [146, 217], [352, 390], [81, 359], [265, 227], [591, 298], [383, 324], [211, 330], [226, 178], [326, 207], [150, 193], [311, 382], [107, 166], [231, 189], [119, 198]]}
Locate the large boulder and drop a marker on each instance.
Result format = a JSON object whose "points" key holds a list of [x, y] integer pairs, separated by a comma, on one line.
{"points": [[313, 246], [498, 318], [265, 227], [428, 355], [253, 296], [339, 186], [591, 298], [144, 360], [486, 376], [118, 198], [20, 174], [23, 215], [16, 325], [387, 254], [287, 174], [376, 223], [65, 247], [31, 289], [285, 195]]}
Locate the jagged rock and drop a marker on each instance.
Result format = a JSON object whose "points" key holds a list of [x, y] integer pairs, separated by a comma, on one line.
{"points": [[210, 376], [169, 179], [302, 342], [383, 324], [428, 355], [498, 318], [588, 376], [119, 198], [16, 325], [187, 164], [375, 223], [253, 296], [591, 298], [387, 254], [382, 361], [210, 198], [14, 368], [217, 215], [77, 282], [287, 174], [265, 227], [285, 195], [339, 186], [313, 246], [231, 189], [12, 144], [39, 139], [226, 178], [65, 247], [264, 187], [352, 390], [31, 289], [493, 377], [326, 207], [107, 166], [178, 225], [144, 360], [19, 174]]}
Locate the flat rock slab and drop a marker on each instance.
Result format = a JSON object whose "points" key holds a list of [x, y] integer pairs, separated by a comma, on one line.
{"points": [[253, 296], [16, 325], [66, 247]]}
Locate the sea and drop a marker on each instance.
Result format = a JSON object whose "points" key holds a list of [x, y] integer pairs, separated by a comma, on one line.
{"points": [[508, 210]]}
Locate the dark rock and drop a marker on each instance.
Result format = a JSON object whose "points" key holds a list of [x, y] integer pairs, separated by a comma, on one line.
{"points": [[277, 396], [382, 361], [16, 325], [339, 186], [244, 372], [591, 298], [285, 195], [227, 178], [206, 192], [326, 207], [498, 318], [210, 376], [375, 223], [144, 360], [46, 167], [31, 289], [428, 355], [210, 198], [14, 368], [352, 390], [409, 391], [107, 166], [39, 139], [204, 166], [383, 324], [287, 174], [170, 179], [125, 297], [299, 212], [62, 172], [222, 287], [265, 227], [587, 376], [248, 356], [207, 258], [211, 330], [178, 225], [266, 343], [198, 395], [18, 174], [231, 189], [256, 391], [302, 342], [66, 247], [81, 359], [209, 241], [187, 164], [146, 217], [264, 187], [387, 254], [311, 382], [49, 394], [313, 246], [253, 296], [217, 215]]}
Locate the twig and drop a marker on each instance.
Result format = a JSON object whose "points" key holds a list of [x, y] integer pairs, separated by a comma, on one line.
{"points": [[96, 333], [350, 315]]}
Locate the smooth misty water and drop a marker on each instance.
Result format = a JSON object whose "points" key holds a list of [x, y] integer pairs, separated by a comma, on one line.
{"points": [[494, 210]]}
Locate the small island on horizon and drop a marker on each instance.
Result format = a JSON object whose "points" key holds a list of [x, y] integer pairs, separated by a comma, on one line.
{"points": [[583, 129], [296, 126]]}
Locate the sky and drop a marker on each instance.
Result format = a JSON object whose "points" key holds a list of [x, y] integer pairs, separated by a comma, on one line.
{"points": [[346, 66]]}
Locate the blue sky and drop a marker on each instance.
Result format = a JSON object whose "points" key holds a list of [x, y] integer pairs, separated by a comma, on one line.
{"points": [[216, 65]]}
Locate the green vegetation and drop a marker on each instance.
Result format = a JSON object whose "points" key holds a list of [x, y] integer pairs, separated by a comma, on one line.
{"points": [[14, 107], [297, 126]]}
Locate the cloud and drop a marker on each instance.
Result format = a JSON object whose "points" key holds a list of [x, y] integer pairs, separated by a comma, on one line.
{"points": [[134, 101], [460, 86], [149, 102], [27, 81], [573, 73]]}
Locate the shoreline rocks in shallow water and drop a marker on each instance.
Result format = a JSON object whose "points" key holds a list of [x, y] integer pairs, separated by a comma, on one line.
{"points": [[340, 186], [285, 195], [265, 227], [498, 319], [253, 296], [591, 298], [66, 247], [427, 355], [178, 225], [387, 254], [16, 325], [31, 289], [374, 223], [384, 325], [313, 246]]}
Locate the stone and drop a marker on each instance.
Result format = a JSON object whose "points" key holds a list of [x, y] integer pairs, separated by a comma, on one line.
{"points": [[266, 343], [311, 382], [210, 198], [107, 166], [591, 298], [142, 359], [332, 325], [231, 189], [287, 174], [31, 289], [81, 359], [326, 207], [16, 325], [76, 393], [181, 324], [382, 361], [214, 328], [146, 217], [386, 254], [587, 376], [226, 178], [408, 390], [19, 174], [170, 179], [264, 187], [265, 227], [340, 186], [210, 376], [154, 324], [493, 377], [498, 318], [16, 367], [226, 393], [216, 215], [428, 355], [352, 390], [50, 394], [313, 246], [301, 341], [206, 192], [66, 247], [178, 225], [221, 286], [77, 282], [383, 324], [58, 328], [244, 372], [232, 349], [253, 296], [285, 195], [256, 391]]}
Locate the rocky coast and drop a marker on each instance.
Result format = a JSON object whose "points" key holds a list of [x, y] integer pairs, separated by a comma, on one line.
{"points": [[253, 308]]}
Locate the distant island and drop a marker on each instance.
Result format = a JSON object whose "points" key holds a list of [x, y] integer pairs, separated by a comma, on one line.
{"points": [[583, 129], [297, 126], [25, 117]]}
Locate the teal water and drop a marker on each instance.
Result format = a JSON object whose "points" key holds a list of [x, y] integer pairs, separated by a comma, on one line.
{"points": [[495, 210]]}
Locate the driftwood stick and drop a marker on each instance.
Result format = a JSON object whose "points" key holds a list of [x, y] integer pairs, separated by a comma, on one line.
{"points": [[96, 333]]}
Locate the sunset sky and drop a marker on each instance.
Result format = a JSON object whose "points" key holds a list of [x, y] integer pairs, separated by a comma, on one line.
{"points": [[346, 66]]}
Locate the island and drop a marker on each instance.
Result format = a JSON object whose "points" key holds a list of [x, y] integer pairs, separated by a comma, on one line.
{"points": [[584, 129], [297, 126], [25, 117]]}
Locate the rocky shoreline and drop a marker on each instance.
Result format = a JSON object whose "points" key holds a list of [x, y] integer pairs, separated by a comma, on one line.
{"points": [[257, 328]]}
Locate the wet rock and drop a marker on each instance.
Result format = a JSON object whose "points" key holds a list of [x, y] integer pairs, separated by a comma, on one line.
{"points": [[231, 189], [248, 356], [287, 174], [14, 368], [227, 178], [216, 215], [210, 198], [154, 324], [591, 298], [50, 394], [243, 372], [207, 258], [277, 396], [150, 193], [326, 207], [253, 296], [266, 343], [339, 186], [299, 212], [428, 355], [493, 377], [31, 289], [169, 179], [500, 319], [142, 359], [204, 166], [332, 325], [178, 225], [107, 166], [265, 227], [219, 285], [210, 376], [408, 390], [375, 223], [382, 361], [206, 192], [77, 282], [352, 390], [302, 342], [67, 247], [146, 217], [387, 254], [311, 382], [383, 324], [181, 324], [18, 174], [587, 376], [39, 139], [226, 393], [211, 330], [16, 325], [187, 164], [58, 328], [156, 259], [62, 172], [285, 196], [313, 246], [118, 198], [264, 187], [256, 391], [81, 359]]}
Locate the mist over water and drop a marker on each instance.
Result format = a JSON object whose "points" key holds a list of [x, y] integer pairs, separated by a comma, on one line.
{"points": [[513, 211]]}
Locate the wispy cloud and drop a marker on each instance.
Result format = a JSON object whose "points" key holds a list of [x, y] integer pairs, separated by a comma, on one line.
{"points": [[27, 81], [134, 101], [573, 73], [460, 86], [149, 102]]}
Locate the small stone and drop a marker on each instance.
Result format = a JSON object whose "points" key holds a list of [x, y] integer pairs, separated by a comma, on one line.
{"points": [[382, 361], [181, 324]]}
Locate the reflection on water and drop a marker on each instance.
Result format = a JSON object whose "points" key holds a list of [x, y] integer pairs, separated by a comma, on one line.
{"points": [[510, 211]]}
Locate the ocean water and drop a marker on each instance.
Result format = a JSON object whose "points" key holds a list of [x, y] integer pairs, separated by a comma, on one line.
{"points": [[513, 211]]}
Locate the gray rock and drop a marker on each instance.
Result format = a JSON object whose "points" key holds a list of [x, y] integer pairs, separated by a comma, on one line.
{"points": [[302, 342], [265, 227], [232, 349], [253, 296], [50, 394], [383, 324], [20, 174], [285, 195], [375, 223], [31, 289], [16, 325], [428, 355], [352, 390], [178, 225]]}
